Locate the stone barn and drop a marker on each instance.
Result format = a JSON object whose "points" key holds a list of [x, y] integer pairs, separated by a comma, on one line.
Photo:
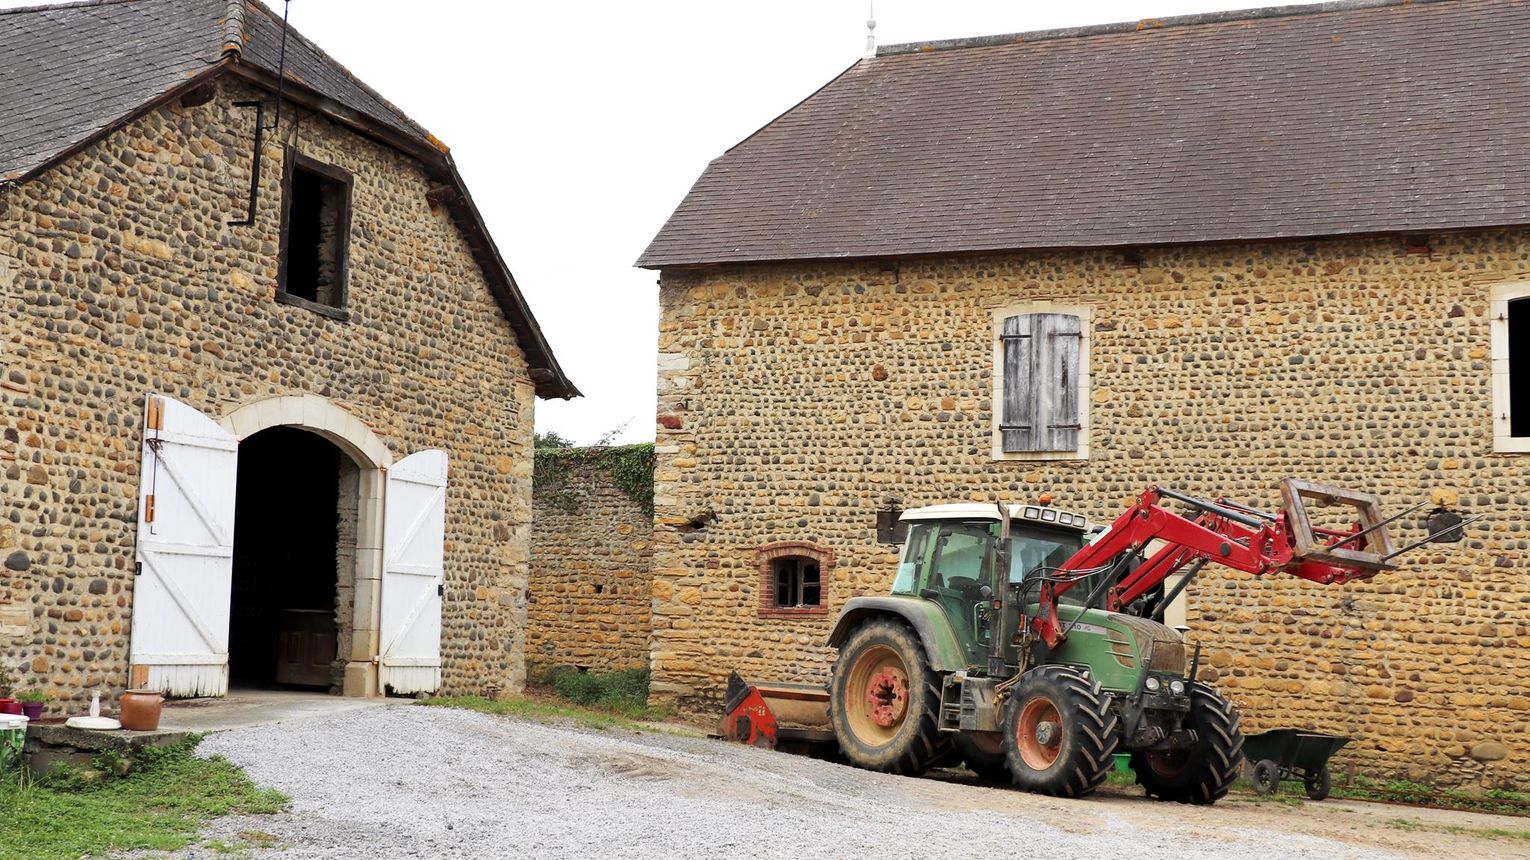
{"points": [[1285, 242], [268, 385]]}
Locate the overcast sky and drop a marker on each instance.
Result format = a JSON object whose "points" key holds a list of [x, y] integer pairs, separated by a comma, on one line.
{"points": [[579, 126]]}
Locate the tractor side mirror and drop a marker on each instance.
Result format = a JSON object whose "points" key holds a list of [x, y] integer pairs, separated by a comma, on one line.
{"points": [[1444, 526]]}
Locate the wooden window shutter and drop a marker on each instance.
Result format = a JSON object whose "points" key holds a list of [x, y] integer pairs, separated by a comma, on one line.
{"points": [[1018, 422], [1041, 378]]}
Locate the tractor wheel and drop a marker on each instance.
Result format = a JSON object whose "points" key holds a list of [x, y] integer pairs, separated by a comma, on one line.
{"points": [[884, 701], [1059, 733], [1203, 773], [983, 753]]}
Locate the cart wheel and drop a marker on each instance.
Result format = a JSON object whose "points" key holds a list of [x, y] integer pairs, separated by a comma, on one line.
{"points": [[1317, 783], [1266, 777]]}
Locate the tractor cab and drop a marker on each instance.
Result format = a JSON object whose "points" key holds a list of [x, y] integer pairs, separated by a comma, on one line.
{"points": [[950, 553]]}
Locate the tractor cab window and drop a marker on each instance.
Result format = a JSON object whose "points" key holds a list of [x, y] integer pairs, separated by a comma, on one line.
{"points": [[1033, 551], [916, 554]]}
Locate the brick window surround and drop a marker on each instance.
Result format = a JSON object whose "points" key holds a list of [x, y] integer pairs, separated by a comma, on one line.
{"points": [[763, 556]]}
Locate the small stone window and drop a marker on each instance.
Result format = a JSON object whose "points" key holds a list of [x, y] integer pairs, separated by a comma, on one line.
{"points": [[1510, 330], [316, 226], [794, 578]]}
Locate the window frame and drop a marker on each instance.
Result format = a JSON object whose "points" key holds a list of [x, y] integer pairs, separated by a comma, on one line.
{"points": [[1499, 296], [292, 161], [1085, 315], [765, 558]]}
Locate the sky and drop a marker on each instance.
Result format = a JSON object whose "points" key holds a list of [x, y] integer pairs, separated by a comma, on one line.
{"points": [[579, 126]]}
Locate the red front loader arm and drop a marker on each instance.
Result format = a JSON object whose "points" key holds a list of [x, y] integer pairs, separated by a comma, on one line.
{"points": [[1227, 534]]}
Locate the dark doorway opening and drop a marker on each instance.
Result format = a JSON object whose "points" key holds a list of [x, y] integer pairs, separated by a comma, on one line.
{"points": [[282, 621]]}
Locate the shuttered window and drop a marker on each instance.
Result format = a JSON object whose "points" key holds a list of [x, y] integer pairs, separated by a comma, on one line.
{"points": [[1041, 383]]}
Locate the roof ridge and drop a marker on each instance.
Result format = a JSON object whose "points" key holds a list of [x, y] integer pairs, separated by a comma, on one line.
{"points": [[294, 33], [1146, 24], [49, 7], [234, 33]]}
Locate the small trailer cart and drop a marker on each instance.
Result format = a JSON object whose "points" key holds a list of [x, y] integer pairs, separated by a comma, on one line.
{"points": [[1289, 753]]}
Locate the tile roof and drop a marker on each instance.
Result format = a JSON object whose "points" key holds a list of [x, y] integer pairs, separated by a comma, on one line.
{"points": [[1366, 116], [71, 73]]}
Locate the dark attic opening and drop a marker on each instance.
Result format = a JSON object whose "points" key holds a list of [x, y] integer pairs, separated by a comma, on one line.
{"points": [[289, 551], [1519, 367], [316, 210]]}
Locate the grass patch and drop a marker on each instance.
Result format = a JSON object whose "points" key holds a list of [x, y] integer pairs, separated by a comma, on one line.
{"points": [[159, 806], [623, 692], [563, 694], [1410, 825], [545, 710], [1496, 801]]}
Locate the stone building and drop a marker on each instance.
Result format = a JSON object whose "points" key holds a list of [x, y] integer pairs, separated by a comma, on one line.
{"points": [[1287, 242], [591, 552], [267, 385]]}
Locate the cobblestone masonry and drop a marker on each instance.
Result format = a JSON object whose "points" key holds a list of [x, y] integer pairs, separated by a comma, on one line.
{"points": [[120, 277], [794, 399], [590, 559]]}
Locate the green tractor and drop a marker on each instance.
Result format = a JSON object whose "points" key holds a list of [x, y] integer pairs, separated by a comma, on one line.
{"points": [[1031, 645]]}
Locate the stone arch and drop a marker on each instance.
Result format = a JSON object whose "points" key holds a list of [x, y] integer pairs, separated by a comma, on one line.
{"points": [[371, 456], [316, 415]]}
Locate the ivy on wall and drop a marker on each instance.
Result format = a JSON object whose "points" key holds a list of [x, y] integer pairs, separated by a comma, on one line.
{"points": [[630, 468]]}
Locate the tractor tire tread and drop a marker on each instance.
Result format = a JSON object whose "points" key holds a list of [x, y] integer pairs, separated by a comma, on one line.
{"points": [[1220, 754], [1095, 725], [927, 745]]}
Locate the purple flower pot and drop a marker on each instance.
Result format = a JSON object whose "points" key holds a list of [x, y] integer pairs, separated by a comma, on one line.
{"points": [[32, 710]]}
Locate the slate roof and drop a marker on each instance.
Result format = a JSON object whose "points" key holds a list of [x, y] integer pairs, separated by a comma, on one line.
{"points": [[1366, 116], [72, 73]]}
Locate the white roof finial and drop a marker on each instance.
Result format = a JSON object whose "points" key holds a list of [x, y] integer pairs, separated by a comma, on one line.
{"points": [[871, 31]]}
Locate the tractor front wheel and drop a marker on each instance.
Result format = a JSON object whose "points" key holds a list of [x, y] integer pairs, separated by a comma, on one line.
{"points": [[1059, 733], [884, 700], [1203, 773]]}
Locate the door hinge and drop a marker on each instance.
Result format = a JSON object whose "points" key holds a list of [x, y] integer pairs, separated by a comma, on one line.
{"points": [[440, 589], [138, 568], [155, 417]]}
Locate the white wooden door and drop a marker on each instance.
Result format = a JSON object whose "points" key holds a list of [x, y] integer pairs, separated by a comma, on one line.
{"points": [[185, 551], [414, 533]]}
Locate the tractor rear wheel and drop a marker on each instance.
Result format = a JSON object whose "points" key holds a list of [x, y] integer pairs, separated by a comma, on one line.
{"points": [[1203, 773], [884, 700], [983, 753], [1059, 733]]}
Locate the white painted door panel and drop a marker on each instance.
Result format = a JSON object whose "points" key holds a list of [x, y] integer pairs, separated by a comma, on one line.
{"points": [[185, 551], [414, 535]]}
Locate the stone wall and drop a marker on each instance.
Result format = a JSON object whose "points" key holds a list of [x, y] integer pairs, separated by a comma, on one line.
{"points": [[120, 276], [794, 400], [591, 553]]}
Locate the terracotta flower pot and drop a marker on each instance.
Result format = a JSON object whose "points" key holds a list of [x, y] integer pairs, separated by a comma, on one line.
{"points": [[32, 710], [138, 711], [10, 706]]}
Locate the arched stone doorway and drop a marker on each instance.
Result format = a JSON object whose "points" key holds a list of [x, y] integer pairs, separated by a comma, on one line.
{"points": [[327, 461]]}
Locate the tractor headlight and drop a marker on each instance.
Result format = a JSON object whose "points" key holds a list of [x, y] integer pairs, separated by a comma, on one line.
{"points": [[1177, 687], [1152, 684]]}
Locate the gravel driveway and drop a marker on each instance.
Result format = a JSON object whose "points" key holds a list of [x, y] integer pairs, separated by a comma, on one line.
{"points": [[411, 781]]}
